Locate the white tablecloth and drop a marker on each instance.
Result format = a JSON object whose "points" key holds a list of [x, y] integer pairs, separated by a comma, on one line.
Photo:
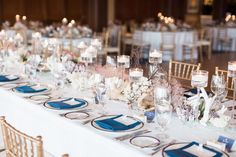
{"points": [[154, 38], [231, 33], [61, 135]]}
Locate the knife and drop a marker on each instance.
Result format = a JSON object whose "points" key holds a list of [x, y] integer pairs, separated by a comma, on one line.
{"points": [[127, 136]]}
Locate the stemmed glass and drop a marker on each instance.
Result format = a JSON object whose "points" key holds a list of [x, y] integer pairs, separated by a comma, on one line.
{"points": [[218, 87], [163, 109]]}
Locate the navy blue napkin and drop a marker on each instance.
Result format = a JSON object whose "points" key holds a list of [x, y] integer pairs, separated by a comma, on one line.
{"points": [[182, 153], [63, 105], [112, 125], [4, 78], [29, 89]]}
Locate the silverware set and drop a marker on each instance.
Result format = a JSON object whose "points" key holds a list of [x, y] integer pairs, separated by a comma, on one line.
{"points": [[131, 135]]}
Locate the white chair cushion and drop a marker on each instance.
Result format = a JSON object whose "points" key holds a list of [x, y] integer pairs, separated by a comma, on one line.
{"points": [[111, 49], [204, 42], [168, 46]]}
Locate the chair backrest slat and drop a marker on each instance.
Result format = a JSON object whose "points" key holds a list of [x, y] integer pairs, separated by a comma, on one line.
{"points": [[181, 70], [19, 144]]}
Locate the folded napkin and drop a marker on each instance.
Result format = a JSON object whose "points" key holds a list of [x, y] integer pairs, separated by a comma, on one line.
{"points": [[67, 103], [29, 89], [7, 78], [191, 92], [193, 150], [113, 124]]}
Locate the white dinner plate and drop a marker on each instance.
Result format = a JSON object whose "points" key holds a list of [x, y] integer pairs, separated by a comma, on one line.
{"points": [[180, 145], [126, 118], [12, 78], [76, 115], [145, 141], [40, 97], [50, 107], [12, 85]]}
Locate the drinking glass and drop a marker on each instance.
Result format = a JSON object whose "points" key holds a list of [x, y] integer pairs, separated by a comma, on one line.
{"points": [[100, 91], [123, 62]]}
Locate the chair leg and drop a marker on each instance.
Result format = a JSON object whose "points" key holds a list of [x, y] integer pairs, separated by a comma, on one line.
{"points": [[191, 55], [201, 53], [209, 52]]}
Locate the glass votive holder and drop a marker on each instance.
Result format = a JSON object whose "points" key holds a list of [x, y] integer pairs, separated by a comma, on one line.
{"points": [[123, 61], [199, 78], [135, 74], [155, 57]]}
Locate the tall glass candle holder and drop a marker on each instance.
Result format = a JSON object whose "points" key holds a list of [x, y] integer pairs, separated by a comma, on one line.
{"points": [[155, 59], [123, 62]]}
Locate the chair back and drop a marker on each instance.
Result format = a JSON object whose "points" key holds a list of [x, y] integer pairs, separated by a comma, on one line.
{"points": [[181, 70], [229, 81], [222, 33], [18, 144], [205, 34], [138, 36], [109, 39], [168, 38]]}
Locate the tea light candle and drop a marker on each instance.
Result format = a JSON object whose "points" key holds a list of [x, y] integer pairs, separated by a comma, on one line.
{"points": [[64, 20], [123, 61], [24, 18], [200, 78], [155, 56], [72, 22], [135, 74]]}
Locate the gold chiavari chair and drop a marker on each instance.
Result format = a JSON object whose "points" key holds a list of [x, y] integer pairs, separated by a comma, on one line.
{"points": [[223, 40], [112, 49], [229, 81], [205, 41], [189, 47], [182, 71], [168, 43], [18, 144]]}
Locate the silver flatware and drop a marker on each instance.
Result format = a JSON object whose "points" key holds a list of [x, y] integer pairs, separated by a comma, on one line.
{"points": [[158, 148], [131, 135]]}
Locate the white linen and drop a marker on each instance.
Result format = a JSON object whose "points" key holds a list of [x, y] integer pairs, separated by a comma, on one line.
{"points": [[61, 135], [154, 38], [231, 33]]}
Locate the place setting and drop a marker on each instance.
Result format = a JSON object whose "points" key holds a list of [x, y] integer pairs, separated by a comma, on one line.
{"points": [[31, 89]]}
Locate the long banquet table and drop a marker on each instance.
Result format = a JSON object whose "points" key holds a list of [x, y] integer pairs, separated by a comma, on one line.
{"points": [[154, 39], [61, 135]]}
